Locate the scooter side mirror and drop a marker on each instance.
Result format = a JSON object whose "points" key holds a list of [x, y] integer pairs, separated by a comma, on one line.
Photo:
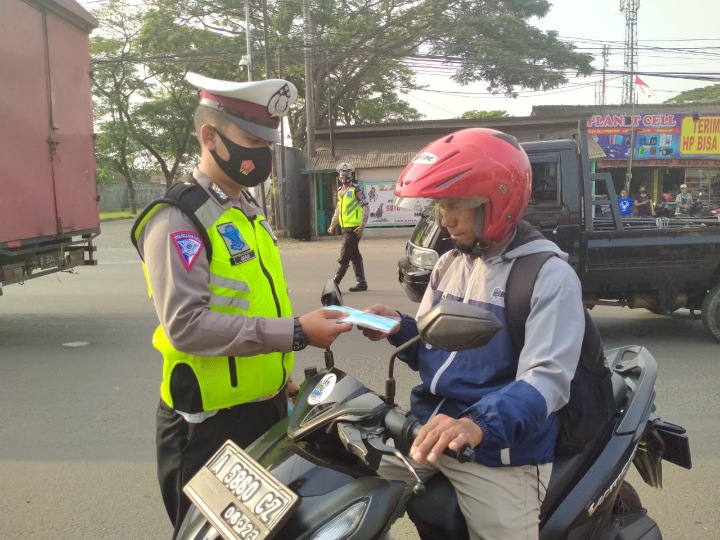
{"points": [[455, 326], [331, 295]]}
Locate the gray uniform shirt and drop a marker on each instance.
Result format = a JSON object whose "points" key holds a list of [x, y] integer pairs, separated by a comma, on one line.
{"points": [[182, 296]]}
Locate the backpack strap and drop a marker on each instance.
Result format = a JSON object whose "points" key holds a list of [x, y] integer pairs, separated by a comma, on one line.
{"points": [[518, 293], [188, 197]]}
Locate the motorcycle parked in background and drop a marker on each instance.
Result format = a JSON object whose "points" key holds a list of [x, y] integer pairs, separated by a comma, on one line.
{"points": [[313, 476], [697, 209]]}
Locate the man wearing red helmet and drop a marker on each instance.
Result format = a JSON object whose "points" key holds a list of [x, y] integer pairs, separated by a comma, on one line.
{"points": [[500, 401]]}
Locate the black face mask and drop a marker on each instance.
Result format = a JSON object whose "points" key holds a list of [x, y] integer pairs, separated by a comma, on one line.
{"points": [[246, 166]]}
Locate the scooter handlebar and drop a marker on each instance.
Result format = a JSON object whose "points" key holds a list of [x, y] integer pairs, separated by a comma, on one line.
{"points": [[404, 427]]}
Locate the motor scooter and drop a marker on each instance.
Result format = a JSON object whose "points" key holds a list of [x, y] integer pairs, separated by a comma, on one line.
{"points": [[697, 209], [313, 476]]}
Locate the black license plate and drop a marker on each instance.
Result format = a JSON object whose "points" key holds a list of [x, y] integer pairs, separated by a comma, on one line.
{"points": [[676, 444], [50, 259]]}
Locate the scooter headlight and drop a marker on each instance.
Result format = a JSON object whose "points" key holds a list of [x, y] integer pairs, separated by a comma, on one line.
{"points": [[344, 524]]}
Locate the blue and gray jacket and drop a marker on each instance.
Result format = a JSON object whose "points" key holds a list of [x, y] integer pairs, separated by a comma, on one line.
{"points": [[511, 396]]}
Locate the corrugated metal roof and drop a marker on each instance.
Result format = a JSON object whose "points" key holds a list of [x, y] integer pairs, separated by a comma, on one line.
{"points": [[394, 156], [364, 158], [595, 151]]}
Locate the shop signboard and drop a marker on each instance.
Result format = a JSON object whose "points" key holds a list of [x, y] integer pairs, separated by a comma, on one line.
{"points": [[657, 136], [383, 213]]}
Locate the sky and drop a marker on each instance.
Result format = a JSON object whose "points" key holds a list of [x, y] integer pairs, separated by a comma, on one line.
{"points": [[589, 24]]}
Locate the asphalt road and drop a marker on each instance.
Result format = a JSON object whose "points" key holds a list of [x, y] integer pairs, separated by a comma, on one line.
{"points": [[79, 387]]}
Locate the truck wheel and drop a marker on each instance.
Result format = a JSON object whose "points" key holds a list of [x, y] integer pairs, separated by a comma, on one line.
{"points": [[711, 312]]}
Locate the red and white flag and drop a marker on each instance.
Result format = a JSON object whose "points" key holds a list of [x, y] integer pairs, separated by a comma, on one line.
{"points": [[644, 88]]}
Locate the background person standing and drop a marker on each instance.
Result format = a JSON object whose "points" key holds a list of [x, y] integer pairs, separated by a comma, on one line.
{"points": [[351, 213], [684, 201], [643, 204], [625, 203]]}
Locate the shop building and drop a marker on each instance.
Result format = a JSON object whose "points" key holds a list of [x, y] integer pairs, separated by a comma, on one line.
{"points": [[662, 146], [380, 152]]}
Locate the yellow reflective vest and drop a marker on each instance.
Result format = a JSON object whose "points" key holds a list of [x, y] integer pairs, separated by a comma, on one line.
{"points": [[350, 214], [246, 278]]}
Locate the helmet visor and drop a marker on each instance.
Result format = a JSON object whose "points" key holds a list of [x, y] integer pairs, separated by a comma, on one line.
{"points": [[416, 204], [457, 205]]}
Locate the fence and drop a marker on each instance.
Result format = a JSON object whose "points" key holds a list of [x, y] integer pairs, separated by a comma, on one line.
{"points": [[114, 197]]}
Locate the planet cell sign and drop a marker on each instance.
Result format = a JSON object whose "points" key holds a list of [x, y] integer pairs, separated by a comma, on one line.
{"points": [[657, 136]]}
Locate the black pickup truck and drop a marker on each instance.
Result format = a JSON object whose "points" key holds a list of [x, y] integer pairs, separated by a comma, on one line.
{"points": [[660, 264]]}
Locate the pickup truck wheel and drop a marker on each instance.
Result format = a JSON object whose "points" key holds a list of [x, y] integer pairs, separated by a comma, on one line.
{"points": [[711, 312]]}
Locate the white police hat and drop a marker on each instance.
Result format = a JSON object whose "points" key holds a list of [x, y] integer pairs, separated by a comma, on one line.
{"points": [[345, 168], [255, 106]]}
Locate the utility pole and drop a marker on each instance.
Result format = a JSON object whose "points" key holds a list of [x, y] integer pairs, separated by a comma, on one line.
{"points": [[249, 40], [331, 119], [265, 38], [605, 54], [283, 178], [274, 180], [629, 96], [631, 54], [309, 81]]}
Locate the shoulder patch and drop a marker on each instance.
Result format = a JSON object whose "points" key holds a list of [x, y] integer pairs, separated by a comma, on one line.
{"points": [[188, 245]]}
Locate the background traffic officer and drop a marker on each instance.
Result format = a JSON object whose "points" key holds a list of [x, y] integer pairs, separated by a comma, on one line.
{"points": [[351, 213]]}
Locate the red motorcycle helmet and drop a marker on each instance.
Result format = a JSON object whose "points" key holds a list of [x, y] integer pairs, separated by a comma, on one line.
{"points": [[474, 163]]}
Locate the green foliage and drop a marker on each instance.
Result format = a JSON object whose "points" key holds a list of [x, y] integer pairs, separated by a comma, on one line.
{"points": [[359, 52], [497, 44], [706, 94], [476, 115], [144, 107]]}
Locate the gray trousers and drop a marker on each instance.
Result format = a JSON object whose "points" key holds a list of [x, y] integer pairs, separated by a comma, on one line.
{"points": [[499, 503]]}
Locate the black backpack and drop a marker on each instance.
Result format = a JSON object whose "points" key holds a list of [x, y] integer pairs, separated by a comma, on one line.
{"points": [[591, 405]]}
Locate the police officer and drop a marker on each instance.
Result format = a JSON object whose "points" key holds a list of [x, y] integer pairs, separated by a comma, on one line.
{"points": [[351, 213], [227, 330]]}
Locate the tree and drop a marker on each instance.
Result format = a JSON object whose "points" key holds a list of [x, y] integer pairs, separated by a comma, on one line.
{"points": [[113, 86], [496, 43], [361, 48], [706, 94], [477, 115], [360, 51], [144, 107]]}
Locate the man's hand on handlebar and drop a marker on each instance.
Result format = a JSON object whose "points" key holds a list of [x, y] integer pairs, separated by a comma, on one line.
{"points": [[443, 432]]}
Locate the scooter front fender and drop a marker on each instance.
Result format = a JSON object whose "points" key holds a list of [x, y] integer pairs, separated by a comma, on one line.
{"points": [[324, 494]]}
